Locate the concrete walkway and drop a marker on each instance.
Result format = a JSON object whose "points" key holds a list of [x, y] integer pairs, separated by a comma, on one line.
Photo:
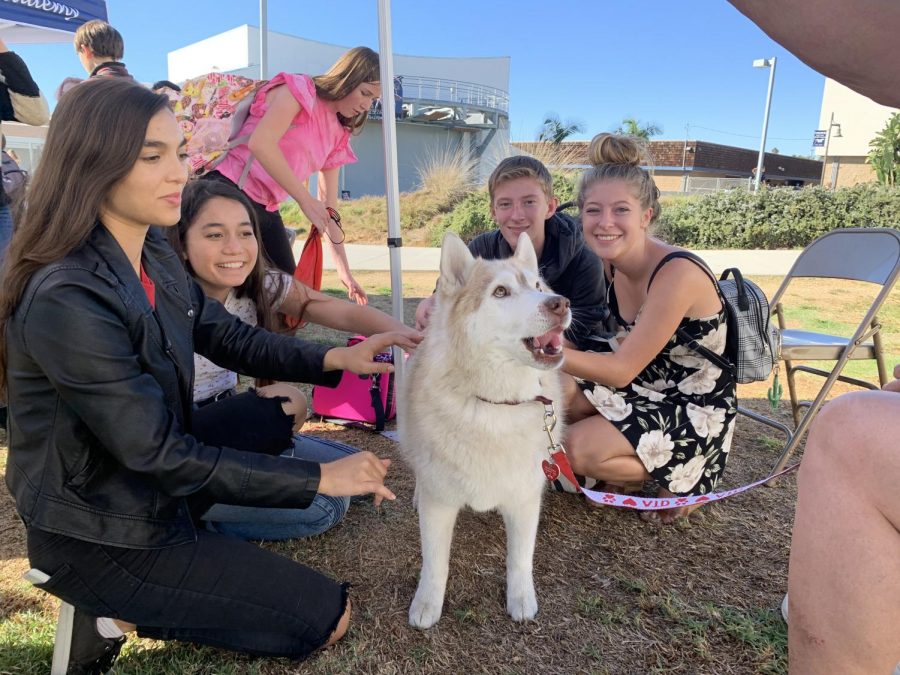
{"points": [[420, 259]]}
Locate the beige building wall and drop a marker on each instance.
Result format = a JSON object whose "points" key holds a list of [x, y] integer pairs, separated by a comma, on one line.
{"points": [[849, 171], [669, 182], [859, 119]]}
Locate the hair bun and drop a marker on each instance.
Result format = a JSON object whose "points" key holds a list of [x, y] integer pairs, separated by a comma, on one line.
{"points": [[609, 148]]}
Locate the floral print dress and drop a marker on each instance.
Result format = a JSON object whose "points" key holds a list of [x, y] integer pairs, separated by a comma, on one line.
{"points": [[679, 413]]}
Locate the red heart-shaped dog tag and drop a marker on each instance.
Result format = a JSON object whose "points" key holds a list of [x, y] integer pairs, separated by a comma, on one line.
{"points": [[550, 470]]}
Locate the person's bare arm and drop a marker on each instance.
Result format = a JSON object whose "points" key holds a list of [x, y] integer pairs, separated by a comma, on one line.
{"points": [[325, 310], [855, 43], [327, 189]]}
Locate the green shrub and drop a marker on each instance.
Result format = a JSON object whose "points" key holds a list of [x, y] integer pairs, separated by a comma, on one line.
{"points": [[564, 185], [291, 214], [472, 216], [775, 218]]}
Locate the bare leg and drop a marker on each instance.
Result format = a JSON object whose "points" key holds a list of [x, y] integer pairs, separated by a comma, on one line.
{"points": [[341, 629], [599, 450], [577, 406], [296, 404], [844, 579], [436, 521]]}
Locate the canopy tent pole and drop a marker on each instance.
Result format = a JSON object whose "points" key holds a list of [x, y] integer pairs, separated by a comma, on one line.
{"points": [[392, 188], [263, 40]]}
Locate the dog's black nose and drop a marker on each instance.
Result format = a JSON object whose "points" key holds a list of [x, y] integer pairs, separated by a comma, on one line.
{"points": [[557, 304]]}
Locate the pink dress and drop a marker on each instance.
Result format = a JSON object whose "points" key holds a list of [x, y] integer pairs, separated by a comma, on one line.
{"points": [[316, 140]]}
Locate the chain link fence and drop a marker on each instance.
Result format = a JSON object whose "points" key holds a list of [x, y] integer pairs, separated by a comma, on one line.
{"points": [[697, 185]]}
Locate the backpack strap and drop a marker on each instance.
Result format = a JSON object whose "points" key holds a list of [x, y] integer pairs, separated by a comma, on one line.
{"points": [[743, 300], [690, 342], [377, 405], [687, 255]]}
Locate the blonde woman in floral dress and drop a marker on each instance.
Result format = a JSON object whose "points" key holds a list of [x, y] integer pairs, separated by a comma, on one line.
{"points": [[643, 404]]}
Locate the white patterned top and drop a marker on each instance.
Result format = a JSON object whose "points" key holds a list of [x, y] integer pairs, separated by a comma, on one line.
{"points": [[210, 379]]}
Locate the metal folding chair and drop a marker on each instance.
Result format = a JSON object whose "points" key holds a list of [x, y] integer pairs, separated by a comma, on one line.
{"points": [[62, 643], [857, 254]]}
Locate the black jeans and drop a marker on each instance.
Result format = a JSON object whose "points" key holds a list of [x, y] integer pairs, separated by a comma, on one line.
{"points": [[245, 421], [218, 591], [276, 246]]}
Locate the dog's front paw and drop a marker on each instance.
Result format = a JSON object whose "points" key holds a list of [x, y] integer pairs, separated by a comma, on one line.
{"points": [[522, 605], [424, 611]]}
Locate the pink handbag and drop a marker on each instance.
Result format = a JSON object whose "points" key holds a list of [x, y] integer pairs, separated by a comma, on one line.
{"points": [[362, 398]]}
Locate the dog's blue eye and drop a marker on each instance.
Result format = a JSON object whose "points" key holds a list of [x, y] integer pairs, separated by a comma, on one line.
{"points": [[500, 292]]}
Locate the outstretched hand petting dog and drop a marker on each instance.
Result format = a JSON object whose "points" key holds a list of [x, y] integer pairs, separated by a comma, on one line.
{"points": [[357, 474], [360, 357]]}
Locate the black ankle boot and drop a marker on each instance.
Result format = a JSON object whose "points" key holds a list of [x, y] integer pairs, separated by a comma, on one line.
{"points": [[91, 653]]}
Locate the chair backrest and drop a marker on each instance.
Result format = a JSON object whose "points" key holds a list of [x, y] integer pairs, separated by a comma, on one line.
{"points": [[859, 254]]}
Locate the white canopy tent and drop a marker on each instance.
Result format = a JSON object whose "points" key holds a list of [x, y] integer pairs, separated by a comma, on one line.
{"points": [[46, 21]]}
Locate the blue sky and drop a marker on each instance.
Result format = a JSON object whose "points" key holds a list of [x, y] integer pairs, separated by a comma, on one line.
{"points": [[670, 63]]}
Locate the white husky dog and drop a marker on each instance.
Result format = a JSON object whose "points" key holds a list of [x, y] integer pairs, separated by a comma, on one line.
{"points": [[469, 423]]}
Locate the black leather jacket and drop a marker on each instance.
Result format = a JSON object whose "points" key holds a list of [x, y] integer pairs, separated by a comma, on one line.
{"points": [[100, 400]]}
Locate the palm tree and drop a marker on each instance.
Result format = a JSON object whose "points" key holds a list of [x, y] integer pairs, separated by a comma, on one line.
{"points": [[554, 131], [631, 126], [884, 156]]}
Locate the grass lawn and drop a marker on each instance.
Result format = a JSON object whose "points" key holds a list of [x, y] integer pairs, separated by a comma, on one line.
{"points": [[616, 595]]}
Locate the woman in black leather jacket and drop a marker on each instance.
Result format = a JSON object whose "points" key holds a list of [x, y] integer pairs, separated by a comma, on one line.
{"points": [[98, 325]]}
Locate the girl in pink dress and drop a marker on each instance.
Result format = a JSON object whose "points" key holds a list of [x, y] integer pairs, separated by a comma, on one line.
{"points": [[299, 125]]}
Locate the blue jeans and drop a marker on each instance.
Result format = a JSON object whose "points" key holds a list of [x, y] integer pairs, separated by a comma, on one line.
{"points": [[6, 230], [273, 524]]}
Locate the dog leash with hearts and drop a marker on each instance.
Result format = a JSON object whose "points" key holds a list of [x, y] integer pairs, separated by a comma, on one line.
{"points": [[558, 463]]}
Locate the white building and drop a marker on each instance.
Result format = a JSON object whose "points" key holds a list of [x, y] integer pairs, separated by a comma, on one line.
{"points": [[448, 103], [850, 121]]}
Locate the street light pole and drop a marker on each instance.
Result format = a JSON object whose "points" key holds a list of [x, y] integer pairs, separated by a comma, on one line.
{"points": [[831, 125], [764, 63]]}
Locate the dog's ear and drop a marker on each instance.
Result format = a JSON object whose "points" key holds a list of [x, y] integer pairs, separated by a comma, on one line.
{"points": [[525, 252], [456, 261]]}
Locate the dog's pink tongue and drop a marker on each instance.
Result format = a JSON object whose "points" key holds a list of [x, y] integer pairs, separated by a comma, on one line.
{"points": [[551, 339]]}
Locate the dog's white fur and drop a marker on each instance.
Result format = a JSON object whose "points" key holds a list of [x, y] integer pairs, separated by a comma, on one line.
{"points": [[464, 450]]}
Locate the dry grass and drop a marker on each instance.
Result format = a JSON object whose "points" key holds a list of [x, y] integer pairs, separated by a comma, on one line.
{"points": [[617, 595], [446, 174], [557, 156]]}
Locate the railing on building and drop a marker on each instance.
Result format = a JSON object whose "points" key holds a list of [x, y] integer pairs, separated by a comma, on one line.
{"points": [[700, 185], [453, 93]]}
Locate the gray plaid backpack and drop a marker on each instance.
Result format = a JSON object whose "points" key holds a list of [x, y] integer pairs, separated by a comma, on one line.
{"points": [[753, 344]]}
